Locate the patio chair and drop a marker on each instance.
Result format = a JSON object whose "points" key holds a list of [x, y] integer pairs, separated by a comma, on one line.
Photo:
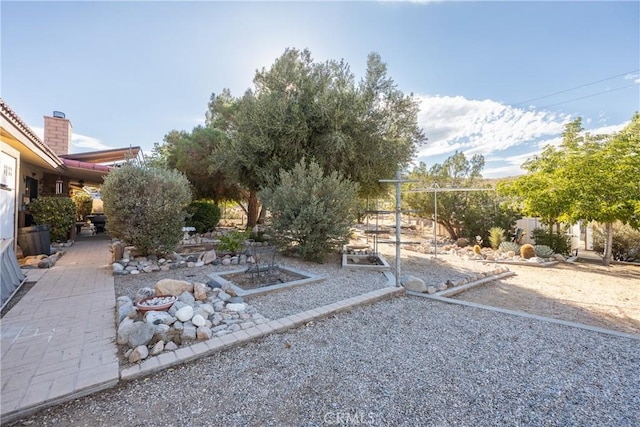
{"points": [[264, 265]]}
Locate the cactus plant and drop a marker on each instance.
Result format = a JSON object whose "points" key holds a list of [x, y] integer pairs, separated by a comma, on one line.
{"points": [[508, 247], [496, 236], [527, 251], [477, 250], [543, 251]]}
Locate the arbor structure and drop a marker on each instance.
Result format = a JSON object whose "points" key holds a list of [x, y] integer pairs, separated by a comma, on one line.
{"points": [[461, 213], [588, 177]]}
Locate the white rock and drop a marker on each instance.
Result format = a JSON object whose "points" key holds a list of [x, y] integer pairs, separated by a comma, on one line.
{"points": [[117, 267], [139, 353], [431, 290], [158, 317], [123, 330], [198, 320], [185, 313], [208, 257], [413, 283], [204, 333], [207, 308], [157, 348], [198, 264], [170, 346], [237, 307], [135, 272]]}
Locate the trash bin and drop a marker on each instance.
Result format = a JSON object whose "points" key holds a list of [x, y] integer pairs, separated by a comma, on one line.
{"points": [[29, 240], [45, 239], [35, 240]]}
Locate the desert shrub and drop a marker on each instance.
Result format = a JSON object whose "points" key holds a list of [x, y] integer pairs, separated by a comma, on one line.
{"points": [[543, 251], [496, 236], [509, 247], [477, 249], [57, 212], [559, 243], [462, 242], [527, 251], [232, 241], [626, 242], [83, 202], [145, 207], [204, 215], [311, 213]]}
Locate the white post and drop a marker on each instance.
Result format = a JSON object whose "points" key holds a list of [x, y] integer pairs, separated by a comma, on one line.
{"points": [[398, 207]]}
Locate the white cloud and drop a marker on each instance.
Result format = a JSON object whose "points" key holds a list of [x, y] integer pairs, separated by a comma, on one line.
{"points": [[633, 77], [483, 127], [81, 142]]}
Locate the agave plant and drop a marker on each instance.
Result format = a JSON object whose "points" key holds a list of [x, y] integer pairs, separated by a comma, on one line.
{"points": [[543, 251], [509, 246]]}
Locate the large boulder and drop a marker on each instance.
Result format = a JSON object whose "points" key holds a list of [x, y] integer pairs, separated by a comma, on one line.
{"points": [[173, 287], [413, 283], [140, 333]]}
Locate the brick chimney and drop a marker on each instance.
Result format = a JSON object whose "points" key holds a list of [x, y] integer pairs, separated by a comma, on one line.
{"points": [[57, 133]]}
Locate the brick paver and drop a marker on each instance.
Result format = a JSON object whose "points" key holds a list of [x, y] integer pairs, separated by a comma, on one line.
{"points": [[58, 341]]}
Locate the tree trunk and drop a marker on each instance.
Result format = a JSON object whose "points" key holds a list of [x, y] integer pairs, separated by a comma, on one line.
{"points": [[262, 216], [450, 230], [252, 209], [606, 257]]}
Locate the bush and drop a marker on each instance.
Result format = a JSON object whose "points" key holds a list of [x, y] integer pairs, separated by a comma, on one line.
{"points": [[626, 242], [58, 212], [527, 251], [84, 204], [145, 207], [232, 241], [462, 242], [509, 247], [311, 213], [204, 215], [496, 236], [559, 243]]}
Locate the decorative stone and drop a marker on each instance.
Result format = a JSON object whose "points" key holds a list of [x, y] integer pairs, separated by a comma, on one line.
{"points": [[134, 272], [198, 320], [188, 332], [236, 307], [216, 319], [214, 284], [235, 327], [431, 290], [117, 267], [170, 346], [226, 261], [208, 257], [140, 334], [234, 260], [157, 348], [124, 310], [159, 317], [207, 308], [139, 353], [187, 298], [224, 296], [204, 333], [236, 300], [173, 287], [442, 287], [413, 283], [144, 293], [200, 291], [191, 264], [124, 329], [185, 313]]}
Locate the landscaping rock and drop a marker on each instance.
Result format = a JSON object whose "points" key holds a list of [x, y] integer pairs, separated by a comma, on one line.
{"points": [[140, 334], [413, 283], [185, 313], [139, 353], [173, 287], [200, 291]]}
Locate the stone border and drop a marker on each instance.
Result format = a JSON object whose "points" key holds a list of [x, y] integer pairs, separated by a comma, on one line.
{"points": [[525, 263], [458, 289], [205, 348], [309, 278], [385, 265]]}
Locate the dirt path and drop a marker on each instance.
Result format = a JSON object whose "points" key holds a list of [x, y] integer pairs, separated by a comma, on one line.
{"points": [[583, 293]]}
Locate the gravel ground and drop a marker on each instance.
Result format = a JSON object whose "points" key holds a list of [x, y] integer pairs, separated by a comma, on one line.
{"points": [[407, 361]]}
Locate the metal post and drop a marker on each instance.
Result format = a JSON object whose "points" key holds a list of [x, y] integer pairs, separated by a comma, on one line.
{"points": [[398, 207], [435, 219]]}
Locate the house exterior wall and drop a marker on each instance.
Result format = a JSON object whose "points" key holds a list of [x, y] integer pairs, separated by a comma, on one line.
{"points": [[57, 134], [9, 191]]}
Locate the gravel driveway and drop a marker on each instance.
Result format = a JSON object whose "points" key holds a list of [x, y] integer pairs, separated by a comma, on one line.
{"points": [[407, 361]]}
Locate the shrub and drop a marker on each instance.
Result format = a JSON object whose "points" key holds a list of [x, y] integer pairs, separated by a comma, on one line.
{"points": [[527, 251], [311, 212], [626, 242], [58, 212], [204, 215], [84, 204], [559, 243], [145, 207], [543, 251], [477, 249], [509, 247], [232, 241], [496, 236]]}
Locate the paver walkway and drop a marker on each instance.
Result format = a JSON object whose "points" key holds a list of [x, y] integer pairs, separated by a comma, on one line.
{"points": [[58, 341]]}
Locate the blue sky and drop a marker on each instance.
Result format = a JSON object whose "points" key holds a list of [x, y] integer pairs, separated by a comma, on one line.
{"points": [[127, 73]]}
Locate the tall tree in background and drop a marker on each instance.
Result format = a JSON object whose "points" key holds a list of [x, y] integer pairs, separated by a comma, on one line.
{"points": [[302, 109], [588, 177], [462, 214]]}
